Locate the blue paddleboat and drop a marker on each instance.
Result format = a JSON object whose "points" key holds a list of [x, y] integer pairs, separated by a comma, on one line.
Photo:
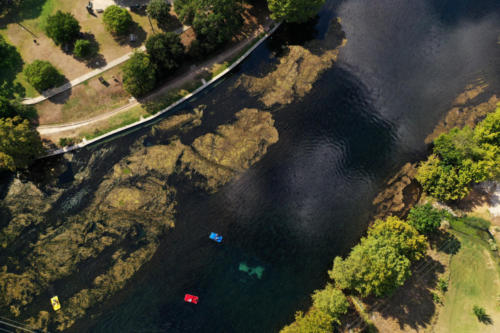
{"points": [[216, 237]]}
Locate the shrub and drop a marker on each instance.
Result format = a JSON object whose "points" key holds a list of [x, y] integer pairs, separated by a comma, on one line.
{"points": [[294, 10], [117, 20], [63, 28], [425, 218], [165, 50], [480, 313], [84, 49], [443, 285], [159, 10], [315, 321], [42, 75], [139, 74], [331, 301]]}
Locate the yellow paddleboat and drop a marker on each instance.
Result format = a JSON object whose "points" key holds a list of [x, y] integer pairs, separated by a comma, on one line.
{"points": [[55, 303]]}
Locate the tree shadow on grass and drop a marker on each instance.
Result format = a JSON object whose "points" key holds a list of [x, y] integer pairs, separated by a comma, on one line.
{"points": [[98, 60], [413, 304], [12, 65], [485, 319], [139, 36], [28, 9], [62, 97], [445, 242]]}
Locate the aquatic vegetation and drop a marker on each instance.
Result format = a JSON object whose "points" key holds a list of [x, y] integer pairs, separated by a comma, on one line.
{"points": [[297, 71], [257, 270], [122, 225]]}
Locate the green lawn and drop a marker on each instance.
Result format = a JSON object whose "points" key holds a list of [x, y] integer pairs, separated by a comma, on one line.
{"points": [[474, 280]]}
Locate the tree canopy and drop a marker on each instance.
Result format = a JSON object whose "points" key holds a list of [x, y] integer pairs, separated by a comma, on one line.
{"points": [[425, 218], [42, 75], [294, 10], [214, 21], [63, 28], [165, 50], [19, 143], [381, 261], [10, 109], [331, 301], [139, 74], [159, 10], [314, 321], [84, 49], [117, 20], [462, 157]]}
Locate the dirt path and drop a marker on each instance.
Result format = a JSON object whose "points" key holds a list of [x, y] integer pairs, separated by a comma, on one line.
{"points": [[173, 84]]}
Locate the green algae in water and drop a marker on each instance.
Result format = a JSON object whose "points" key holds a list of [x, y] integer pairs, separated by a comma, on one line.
{"points": [[257, 270]]}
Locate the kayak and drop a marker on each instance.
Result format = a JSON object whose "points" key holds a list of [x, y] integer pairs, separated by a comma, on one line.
{"points": [[55, 303], [216, 237]]}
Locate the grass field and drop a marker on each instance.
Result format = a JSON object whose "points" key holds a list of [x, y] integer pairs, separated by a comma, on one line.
{"points": [[85, 100], [474, 280], [21, 28]]}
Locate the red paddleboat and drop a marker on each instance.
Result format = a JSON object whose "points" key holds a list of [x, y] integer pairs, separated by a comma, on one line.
{"points": [[191, 299]]}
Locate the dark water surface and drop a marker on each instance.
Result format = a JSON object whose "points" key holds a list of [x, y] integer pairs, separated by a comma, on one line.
{"points": [[309, 198]]}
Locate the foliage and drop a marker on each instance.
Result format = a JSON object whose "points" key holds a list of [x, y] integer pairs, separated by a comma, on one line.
{"points": [[425, 218], [443, 285], [315, 321], [8, 5], [186, 10], [165, 50], [139, 74], [331, 301], [63, 28], [462, 157], [159, 10], [480, 313], [84, 49], [372, 268], [42, 75], [11, 64], [19, 143], [400, 235], [117, 20], [381, 261], [294, 10], [214, 21], [10, 109]]}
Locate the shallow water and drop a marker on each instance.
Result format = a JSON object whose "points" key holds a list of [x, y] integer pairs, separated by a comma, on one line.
{"points": [[309, 198]]}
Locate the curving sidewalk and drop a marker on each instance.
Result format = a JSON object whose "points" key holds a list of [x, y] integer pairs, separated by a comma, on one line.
{"points": [[52, 92]]}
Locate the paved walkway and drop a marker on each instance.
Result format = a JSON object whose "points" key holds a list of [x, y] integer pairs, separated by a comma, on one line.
{"points": [[47, 130], [52, 92]]}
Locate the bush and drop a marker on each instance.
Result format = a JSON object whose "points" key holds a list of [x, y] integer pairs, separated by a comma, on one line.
{"points": [[117, 20], [165, 50], [42, 75], [159, 10], [481, 315], [63, 28], [63, 142], [331, 301], [84, 49], [294, 10], [425, 218], [139, 74], [315, 321], [443, 285]]}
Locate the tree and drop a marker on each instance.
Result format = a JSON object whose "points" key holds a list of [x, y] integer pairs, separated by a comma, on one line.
{"points": [[400, 235], [10, 109], [42, 75], [294, 10], [9, 56], [159, 10], [165, 50], [117, 20], [139, 74], [84, 49], [63, 28], [372, 268], [425, 218], [20, 143], [186, 10], [8, 5], [315, 321], [331, 301], [214, 21]]}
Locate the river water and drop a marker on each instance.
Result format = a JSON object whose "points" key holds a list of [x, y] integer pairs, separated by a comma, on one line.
{"points": [[309, 198]]}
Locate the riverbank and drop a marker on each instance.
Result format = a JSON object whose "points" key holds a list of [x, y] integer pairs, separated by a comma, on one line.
{"points": [[145, 120]]}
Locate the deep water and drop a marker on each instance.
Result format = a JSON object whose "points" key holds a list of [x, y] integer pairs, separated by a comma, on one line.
{"points": [[309, 198]]}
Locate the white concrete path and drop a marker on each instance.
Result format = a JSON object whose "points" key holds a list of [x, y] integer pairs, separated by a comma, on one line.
{"points": [[52, 92]]}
